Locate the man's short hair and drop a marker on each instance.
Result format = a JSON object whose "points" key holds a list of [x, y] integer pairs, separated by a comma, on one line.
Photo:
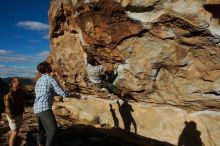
{"points": [[43, 67]]}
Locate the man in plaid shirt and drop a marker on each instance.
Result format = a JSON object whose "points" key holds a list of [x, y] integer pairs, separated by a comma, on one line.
{"points": [[45, 89]]}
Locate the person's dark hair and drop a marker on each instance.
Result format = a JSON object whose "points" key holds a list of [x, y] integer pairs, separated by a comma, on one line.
{"points": [[44, 67], [91, 60]]}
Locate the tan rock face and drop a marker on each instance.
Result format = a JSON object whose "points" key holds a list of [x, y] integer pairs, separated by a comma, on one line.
{"points": [[162, 123], [167, 55], [166, 51]]}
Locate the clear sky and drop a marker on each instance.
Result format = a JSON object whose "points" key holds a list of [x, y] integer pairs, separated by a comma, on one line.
{"points": [[24, 38]]}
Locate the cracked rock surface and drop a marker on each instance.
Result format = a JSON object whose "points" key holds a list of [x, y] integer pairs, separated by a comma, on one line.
{"points": [[178, 37]]}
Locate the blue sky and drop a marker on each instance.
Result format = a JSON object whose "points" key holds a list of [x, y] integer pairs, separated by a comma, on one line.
{"points": [[24, 38]]}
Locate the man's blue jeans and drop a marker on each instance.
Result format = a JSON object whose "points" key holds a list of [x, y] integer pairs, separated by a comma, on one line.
{"points": [[46, 124]]}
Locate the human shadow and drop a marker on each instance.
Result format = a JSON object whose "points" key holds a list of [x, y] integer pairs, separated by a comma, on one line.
{"points": [[190, 136], [115, 119], [125, 110]]}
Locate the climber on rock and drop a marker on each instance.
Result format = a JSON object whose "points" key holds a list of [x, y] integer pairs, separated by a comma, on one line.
{"points": [[97, 75]]}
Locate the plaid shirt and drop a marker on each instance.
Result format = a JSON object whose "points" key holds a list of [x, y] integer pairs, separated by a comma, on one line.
{"points": [[45, 89]]}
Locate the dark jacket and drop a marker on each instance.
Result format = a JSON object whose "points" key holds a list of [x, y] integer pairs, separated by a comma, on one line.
{"points": [[15, 102]]}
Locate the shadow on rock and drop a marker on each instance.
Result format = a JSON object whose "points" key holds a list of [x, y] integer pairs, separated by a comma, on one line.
{"points": [[190, 136], [125, 111], [115, 119]]}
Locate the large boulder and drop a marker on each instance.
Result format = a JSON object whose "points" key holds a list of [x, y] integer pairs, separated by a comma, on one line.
{"points": [[167, 53]]}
